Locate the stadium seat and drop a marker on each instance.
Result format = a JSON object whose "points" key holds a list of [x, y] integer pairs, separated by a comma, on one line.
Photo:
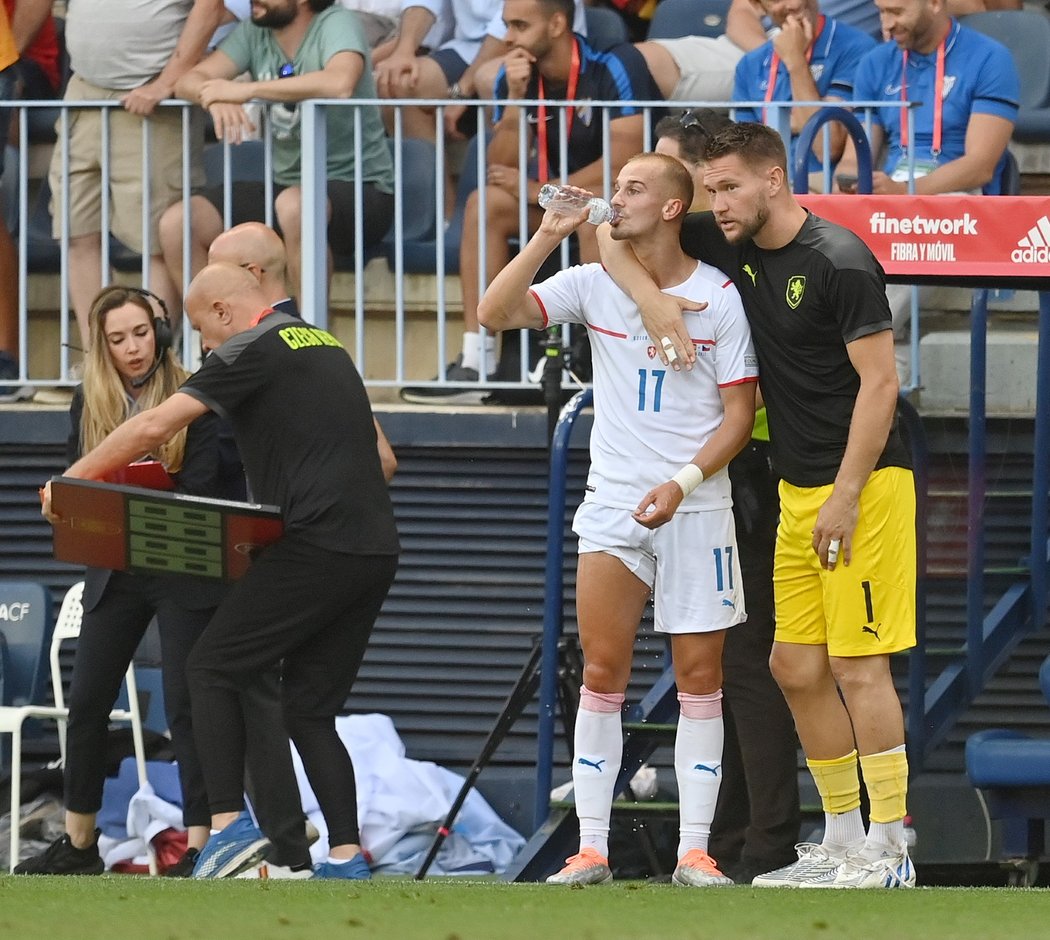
{"points": [[1012, 771], [420, 255], [418, 195], [26, 631], [605, 28], [247, 162], [13, 718], [1026, 33], [674, 18]]}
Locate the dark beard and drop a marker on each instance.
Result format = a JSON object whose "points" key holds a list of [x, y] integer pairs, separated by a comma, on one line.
{"points": [[753, 227], [275, 19]]}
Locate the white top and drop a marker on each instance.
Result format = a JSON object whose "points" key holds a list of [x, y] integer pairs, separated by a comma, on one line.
{"points": [[122, 44], [472, 20], [648, 419]]}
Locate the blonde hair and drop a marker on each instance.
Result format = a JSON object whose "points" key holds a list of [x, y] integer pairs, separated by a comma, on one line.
{"points": [[106, 404]]}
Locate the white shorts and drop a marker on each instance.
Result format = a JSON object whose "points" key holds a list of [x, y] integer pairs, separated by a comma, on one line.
{"points": [[690, 563], [707, 67]]}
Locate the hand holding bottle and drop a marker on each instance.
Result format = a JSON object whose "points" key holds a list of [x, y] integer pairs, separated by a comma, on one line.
{"points": [[568, 200]]}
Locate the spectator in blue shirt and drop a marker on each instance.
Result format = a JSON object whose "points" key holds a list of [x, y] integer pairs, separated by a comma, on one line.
{"points": [[812, 58], [958, 147], [963, 150]]}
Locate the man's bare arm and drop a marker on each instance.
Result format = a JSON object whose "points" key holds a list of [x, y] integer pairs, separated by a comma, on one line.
{"points": [[387, 458], [661, 313], [29, 16], [738, 404], [508, 304], [204, 18], [872, 357]]}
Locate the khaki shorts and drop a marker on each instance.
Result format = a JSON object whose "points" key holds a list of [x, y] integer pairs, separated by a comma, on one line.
{"points": [[707, 67], [125, 167], [868, 607]]}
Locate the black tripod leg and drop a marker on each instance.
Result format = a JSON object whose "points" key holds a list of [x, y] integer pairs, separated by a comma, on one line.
{"points": [[519, 697]]}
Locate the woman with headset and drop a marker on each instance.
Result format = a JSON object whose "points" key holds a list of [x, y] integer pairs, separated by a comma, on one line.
{"points": [[130, 367]]}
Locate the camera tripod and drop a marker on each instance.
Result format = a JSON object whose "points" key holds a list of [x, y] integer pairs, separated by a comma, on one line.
{"points": [[570, 678]]}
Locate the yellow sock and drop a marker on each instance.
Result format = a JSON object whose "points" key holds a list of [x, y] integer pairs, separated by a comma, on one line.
{"points": [[837, 783], [886, 777]]}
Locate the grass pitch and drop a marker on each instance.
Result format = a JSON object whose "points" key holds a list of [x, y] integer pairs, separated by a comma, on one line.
{"points": [[107, 907]]}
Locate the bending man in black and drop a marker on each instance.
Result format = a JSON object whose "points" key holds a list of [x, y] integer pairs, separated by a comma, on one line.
{"points": [[304, 428]]}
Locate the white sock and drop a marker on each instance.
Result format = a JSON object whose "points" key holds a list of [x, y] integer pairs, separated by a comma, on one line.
{"points": [[843, 831], [698, 767], [598, 750], [883, 837], [339, 861], [472, 352]]}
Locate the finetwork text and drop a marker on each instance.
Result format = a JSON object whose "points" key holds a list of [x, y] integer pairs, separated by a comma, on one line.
{"points": [[882, 224]]}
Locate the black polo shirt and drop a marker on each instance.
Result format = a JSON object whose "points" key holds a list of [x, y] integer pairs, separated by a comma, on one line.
{"points": [[805, 302], [304, 429]]}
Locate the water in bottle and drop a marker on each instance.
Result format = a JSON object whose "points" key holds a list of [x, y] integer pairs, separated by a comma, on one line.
{"points": [[567, 202]]}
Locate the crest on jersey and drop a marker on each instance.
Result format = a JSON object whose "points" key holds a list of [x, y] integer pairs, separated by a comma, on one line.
{"points": [[796, 289]]}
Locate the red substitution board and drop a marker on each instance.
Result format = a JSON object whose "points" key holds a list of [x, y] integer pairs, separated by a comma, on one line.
{"points": [[129, 528]]}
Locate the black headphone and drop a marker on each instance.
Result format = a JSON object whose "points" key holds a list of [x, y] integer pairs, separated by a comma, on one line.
{"points": [[162, 333]]}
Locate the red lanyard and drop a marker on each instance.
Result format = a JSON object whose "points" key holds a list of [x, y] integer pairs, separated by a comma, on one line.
{"points": [[938, 103], [541, 111], [774, 64]]}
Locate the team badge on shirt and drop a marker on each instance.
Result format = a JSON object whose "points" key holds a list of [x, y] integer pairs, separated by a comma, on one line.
{"points": [[796, 289]]}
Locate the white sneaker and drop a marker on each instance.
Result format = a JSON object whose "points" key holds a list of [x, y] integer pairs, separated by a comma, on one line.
{"points": [[814, 861], [894, 870]]}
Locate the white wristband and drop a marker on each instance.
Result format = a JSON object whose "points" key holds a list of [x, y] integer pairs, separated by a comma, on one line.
{"points": [[689, 478]]}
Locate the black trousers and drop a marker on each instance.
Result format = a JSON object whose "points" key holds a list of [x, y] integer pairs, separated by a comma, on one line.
{"points": [[109, 635], [314, 609], [757, 814]]}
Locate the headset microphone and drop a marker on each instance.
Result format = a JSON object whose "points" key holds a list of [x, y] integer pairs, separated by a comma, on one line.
{"points": [[139, 382]]}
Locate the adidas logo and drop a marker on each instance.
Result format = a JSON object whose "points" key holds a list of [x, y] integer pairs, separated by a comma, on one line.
{"points": [[1034, 248]]}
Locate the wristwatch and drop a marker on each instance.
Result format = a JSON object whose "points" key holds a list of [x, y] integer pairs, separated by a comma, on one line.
{"points": [[455, 93]]}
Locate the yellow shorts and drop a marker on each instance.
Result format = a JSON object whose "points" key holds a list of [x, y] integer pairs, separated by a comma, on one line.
{"points": [[125, 167], [867, 607]]}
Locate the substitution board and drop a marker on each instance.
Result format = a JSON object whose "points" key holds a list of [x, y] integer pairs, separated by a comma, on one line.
{"points": [[128, 528]]}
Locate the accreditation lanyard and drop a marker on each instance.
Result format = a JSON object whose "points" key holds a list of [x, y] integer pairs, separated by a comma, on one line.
{"points": [[938, 103], [262, 314], [774, 64], [541, 111]]}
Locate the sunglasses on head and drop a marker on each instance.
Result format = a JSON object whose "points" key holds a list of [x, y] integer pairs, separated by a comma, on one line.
{"points": [[689, 119]]}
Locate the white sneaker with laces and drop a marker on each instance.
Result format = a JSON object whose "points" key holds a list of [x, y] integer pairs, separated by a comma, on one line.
{"points": [[814, 861], [892, 870]]}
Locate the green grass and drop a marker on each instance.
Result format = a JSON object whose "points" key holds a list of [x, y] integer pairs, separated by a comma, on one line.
{"points": [[44, 908]]}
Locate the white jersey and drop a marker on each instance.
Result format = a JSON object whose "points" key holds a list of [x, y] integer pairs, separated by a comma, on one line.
{"points": [[648, 419]]}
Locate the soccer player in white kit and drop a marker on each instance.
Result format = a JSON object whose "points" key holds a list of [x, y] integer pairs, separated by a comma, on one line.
{"points": [[657, 516]]}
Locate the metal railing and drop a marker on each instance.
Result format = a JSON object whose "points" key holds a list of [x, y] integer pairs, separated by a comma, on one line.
{"points": [[394, 369]]}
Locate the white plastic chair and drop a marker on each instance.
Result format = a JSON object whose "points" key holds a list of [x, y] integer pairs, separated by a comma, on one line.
{"points": [[67, 627]]}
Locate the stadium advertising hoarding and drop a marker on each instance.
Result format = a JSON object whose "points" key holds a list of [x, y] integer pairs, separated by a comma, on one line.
{"points": [[956, 238]]}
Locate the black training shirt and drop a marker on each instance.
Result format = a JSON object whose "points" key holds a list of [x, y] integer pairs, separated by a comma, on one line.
{"points": [[304, 428], [805, 302]]}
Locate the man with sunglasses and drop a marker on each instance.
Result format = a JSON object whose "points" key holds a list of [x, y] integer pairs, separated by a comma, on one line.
{"points": [[756, 821]]}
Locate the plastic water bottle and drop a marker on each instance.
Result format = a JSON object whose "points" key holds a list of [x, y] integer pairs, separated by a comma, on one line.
{"points": [[565, 202]]}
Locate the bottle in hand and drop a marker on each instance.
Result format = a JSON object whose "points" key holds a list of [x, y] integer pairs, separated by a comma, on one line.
{"points": [[566, 202]]}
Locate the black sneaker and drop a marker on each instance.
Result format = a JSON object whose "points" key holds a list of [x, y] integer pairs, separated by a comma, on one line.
{"points": [[61, 857], [10, 387], [461, 388], [183, 868]]}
